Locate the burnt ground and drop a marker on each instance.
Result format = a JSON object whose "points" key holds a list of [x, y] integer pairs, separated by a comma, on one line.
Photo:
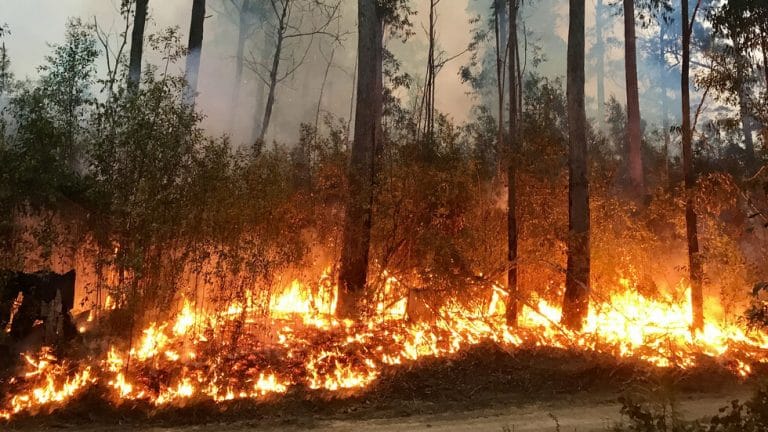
{"points": [[484, 388]]}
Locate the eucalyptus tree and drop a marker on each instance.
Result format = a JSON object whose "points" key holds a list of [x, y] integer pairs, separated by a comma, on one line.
{"points": [[634, 132], [695, 263], [515, 141], [577, 284], [374, 16], [741, 32], [137, 41], [194, 50]]}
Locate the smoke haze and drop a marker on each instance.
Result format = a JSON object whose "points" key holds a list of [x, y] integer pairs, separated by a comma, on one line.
{"points": [[36, 23]]}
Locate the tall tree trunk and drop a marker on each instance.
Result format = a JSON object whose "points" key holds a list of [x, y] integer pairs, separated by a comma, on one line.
{"points": [[746, 128], [281, 29], [194, 50], [429, 89], [242, 35], [353, 270], [137, 43], [328, 67], [499, 8], [664, 100], [352, 98], [272, 89], [502, 52], [514, 135], [259, 97], [764, 49], [600, 66], [695, 266], [576, 301], [634, 134]]}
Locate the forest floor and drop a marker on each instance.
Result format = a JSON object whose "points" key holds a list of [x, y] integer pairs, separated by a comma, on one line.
{"points": [[484, 389], [586, 414]]}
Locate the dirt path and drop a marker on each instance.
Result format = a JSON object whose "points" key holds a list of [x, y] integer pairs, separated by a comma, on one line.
{"points": [[582, 415]]}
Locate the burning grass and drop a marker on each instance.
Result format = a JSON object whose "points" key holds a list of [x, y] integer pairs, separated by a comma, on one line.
{"points": [[239, 354]]}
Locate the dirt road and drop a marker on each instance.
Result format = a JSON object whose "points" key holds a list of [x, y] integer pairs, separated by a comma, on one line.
{"points": [[580, 415]]}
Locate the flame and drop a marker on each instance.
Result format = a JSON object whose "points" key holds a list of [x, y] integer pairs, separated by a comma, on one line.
{"points": [[51, 383], [319, 352], [185, 320]]}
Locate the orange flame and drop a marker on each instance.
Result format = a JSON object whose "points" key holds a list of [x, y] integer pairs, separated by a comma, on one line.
{"points": [[325, 354]]}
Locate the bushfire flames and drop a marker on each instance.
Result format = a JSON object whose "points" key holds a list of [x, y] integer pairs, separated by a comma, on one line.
{"points": [[239, 352]]}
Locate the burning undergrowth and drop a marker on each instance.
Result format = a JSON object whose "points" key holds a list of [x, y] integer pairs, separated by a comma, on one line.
{"points": [[238, 353]]}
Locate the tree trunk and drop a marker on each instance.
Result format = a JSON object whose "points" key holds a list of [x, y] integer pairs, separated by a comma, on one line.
{"points": [[764, 49], [664, 100], [242, 35], [194, 50], [261, 91], [368, 137], [352, 99], [746, 128], [322, 89], [514, 134], [502, 52], [634, 134], [282, 28], [429, 123], [576, 301], [696, 270], [499, 8], [600, 53], [137, 43]]}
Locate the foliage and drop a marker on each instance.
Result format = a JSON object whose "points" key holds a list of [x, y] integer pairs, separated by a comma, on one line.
{"points": [[750, 416], [131, 180], [756, 315]]}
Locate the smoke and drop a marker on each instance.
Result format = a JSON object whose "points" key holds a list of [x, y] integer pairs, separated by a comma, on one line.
{"points": [[36, 23]]}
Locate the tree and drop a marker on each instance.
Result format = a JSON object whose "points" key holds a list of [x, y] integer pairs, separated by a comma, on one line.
{"points": [[114, 56], [137, 42], [742, 28], [501, 24], [287, 29], [515, 88], [66, 85], [576, 301], [634, 133], [6, 76], [500, 29], [695, 265], [194, 50], [353, 271], [436, 61], [599, 50]]}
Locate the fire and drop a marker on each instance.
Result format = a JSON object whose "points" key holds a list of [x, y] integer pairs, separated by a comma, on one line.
{"points": [[50, 383], [195, 355], [185, 320]]}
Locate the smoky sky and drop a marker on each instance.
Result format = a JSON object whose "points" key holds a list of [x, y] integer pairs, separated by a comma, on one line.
{"points": [[36, 23]]}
